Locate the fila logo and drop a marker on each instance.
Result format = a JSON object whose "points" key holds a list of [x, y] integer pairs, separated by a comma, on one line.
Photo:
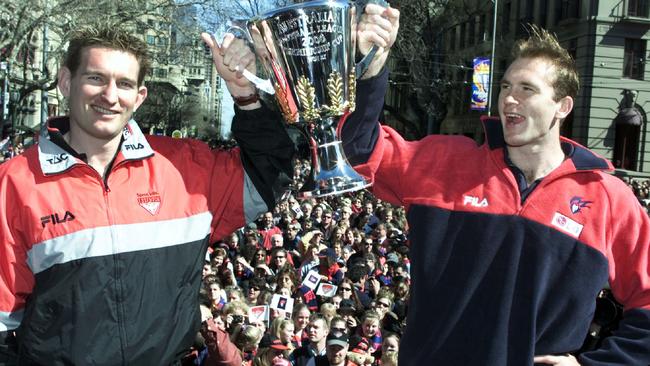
{"points": [[58, 158], [56, 219], [139, 146], [475, 201]]}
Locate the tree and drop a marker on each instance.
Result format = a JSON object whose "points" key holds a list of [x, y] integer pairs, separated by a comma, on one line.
{"points": [[419, 63], [22, 24]]}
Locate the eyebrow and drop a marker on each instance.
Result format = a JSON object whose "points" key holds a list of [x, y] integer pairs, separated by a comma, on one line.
{"points": [[95, 72]]}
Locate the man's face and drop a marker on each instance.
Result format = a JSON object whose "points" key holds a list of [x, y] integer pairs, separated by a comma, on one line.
{"points": [[336, 354], [103, 93], [280, 258], [292, 232], [276, 241], [327, 218], [268, 220], [529, 114], [207, 269], [316, 331]]}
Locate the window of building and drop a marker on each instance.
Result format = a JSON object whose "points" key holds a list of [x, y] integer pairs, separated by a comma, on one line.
{"points": [[638, 8], [471, 31], [151, 39], [463, 34], [505, 18], [452, 38], [543, 13], [161, 72], [570, 9], [482, 23], [626, 146], [634, 58]]}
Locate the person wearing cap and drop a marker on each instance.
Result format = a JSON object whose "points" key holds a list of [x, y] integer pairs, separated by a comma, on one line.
{"points": [[336, 350], [317, 331], [271, 352]]}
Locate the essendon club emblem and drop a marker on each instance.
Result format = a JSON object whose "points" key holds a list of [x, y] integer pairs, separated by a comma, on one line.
{"points": [[150, 201]]}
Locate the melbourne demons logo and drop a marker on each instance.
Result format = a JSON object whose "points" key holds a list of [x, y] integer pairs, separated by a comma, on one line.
{"points": [[577, 204], [150, 201]]}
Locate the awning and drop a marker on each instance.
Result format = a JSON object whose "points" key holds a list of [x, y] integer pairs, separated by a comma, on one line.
{"points": [[629, 116]]}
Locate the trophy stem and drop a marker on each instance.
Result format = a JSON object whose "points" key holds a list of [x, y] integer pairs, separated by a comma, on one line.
{"points": [[331, 172]]}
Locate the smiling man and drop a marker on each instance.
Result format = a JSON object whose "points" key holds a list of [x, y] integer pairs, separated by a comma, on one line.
{"points": [[512, 241], [103, 230]]}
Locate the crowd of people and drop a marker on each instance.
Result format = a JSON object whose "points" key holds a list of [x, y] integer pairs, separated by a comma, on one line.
{"points": [[355, 244]]}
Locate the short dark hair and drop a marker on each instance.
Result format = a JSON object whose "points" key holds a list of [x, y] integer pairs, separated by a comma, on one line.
{"points": [[542, 44], [106, 35]]}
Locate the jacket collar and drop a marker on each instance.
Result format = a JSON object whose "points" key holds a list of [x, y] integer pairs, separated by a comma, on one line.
{"points": [[55, 156], [581, 157]]}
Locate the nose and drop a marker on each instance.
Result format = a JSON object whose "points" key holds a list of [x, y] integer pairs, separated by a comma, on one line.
{"points": [[109, 94]]}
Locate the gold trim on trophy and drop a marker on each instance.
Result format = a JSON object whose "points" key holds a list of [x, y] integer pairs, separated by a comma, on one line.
{"points": [[335, 93], [307, 97], [283, 103]]}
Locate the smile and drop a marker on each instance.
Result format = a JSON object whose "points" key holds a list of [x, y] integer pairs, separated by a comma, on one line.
{"points": [[103, 110]]}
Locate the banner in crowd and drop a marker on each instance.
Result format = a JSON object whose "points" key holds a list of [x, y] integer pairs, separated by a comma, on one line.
{"points": [[480, 83]]}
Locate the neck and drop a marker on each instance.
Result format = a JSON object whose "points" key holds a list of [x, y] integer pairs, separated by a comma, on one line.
{"points": [[99, 152], [318, 346], [537, 161]]}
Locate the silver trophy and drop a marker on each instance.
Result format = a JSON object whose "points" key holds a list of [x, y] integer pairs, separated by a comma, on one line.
{"points": [[308, 52]]}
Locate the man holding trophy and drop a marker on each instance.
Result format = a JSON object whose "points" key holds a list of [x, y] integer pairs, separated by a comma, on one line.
{"points": [[104, 237]]}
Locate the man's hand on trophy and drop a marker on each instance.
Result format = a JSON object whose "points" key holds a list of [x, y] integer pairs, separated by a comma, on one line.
{"points": [[378, 26], [231, 57]]}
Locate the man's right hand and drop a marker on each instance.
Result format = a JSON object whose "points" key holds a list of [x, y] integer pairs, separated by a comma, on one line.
{"points": [[231, 58]]}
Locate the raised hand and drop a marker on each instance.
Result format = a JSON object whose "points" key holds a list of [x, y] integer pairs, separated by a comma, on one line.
{"points": [[378, 26], [230, 58]]}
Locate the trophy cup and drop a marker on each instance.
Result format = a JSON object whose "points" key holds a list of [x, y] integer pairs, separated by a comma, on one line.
{"points": [[308, 52]]}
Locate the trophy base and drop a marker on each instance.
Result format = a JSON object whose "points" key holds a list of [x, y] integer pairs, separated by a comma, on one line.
{"points": [[327, 183]]}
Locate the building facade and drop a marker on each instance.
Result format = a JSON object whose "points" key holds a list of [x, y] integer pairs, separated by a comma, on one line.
{"points": [[608, 40]]}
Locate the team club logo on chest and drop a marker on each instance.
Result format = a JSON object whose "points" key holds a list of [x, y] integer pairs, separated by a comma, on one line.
{"points": [[150, 201]]}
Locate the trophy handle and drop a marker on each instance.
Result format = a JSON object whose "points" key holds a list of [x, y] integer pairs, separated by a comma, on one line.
{"points": [[363, 65]]}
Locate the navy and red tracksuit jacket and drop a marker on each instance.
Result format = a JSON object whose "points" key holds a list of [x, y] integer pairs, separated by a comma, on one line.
{"points": [[107, 270], [497, 279]]}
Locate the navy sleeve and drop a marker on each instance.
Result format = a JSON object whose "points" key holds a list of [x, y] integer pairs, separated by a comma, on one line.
{"points": [[8, 355], [361, 129], [267, 151], [629, 345]]}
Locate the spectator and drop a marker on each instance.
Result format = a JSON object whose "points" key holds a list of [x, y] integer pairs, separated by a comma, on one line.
{"points": [[300, 316], [272, 352], [268, 229], [317, 330], [283, 329], [336, 351]]}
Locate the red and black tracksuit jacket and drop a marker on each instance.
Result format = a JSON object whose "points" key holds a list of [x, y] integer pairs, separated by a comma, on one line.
{"points": [[497, 279], [107, 270]]}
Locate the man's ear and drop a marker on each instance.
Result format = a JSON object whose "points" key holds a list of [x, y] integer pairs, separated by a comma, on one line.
{"points": [[142, 95], [566, 106], [64, 77]]}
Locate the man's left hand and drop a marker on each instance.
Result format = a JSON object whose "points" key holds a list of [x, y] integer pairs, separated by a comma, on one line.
{"points": [[557, 360], [378, 26]]}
